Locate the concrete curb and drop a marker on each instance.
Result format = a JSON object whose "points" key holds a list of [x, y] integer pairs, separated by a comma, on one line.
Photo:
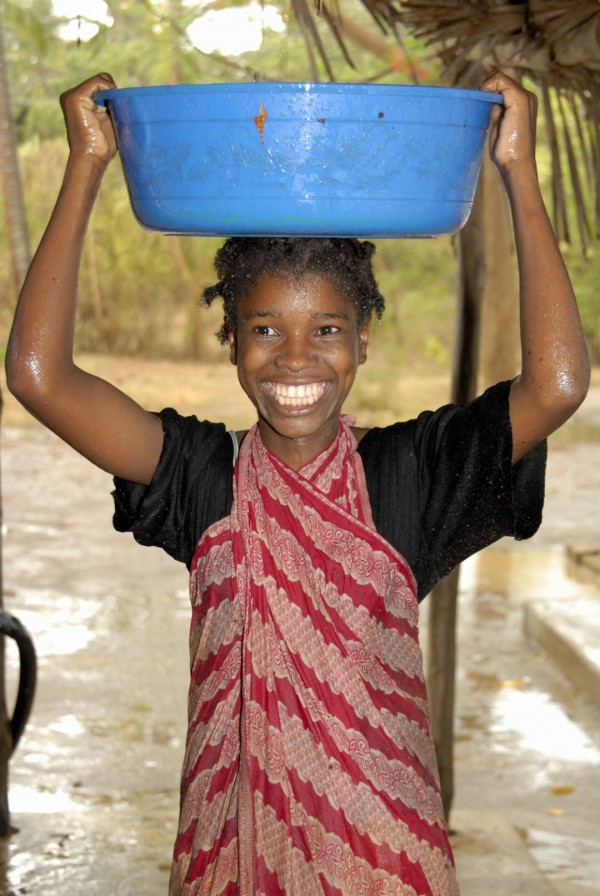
{"points": [[569, 632], [491, 857]]}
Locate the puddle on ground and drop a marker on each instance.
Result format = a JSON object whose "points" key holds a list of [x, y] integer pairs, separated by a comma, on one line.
{"points": [[26, 800], [94, 783], [530, 722], [526, 742], [524, 574]]}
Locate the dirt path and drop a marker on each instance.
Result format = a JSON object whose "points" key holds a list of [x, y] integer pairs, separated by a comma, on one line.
{"points": [[94, 782]]}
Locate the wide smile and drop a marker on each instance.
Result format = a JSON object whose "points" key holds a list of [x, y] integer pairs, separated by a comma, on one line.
{"points": [[300, 396]]}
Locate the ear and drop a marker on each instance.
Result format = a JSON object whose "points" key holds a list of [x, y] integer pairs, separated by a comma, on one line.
{"points": [[232, 347], [363, 340]]}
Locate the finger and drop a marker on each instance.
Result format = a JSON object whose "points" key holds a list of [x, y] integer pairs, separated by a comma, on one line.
{"points": [[496, 114], [498, 82], [101, 81]]}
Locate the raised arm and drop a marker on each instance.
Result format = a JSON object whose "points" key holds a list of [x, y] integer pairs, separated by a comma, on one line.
{"points": [[97, 419], [555, 366]]}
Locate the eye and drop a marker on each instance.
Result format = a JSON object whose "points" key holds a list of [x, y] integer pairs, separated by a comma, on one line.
{"points": [[263, 330], [328, 330]]}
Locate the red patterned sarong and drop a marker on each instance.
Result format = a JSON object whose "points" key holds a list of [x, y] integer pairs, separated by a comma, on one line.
{"points": [[309, 765]]}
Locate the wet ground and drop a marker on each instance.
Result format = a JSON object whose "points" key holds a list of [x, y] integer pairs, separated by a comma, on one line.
{"points": [[94, 780]]}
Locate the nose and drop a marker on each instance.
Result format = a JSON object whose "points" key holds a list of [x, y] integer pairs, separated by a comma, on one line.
{"points": [[296, 355]]}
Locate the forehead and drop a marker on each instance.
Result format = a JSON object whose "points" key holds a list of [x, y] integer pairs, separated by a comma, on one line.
{"points": [[307, 294]]}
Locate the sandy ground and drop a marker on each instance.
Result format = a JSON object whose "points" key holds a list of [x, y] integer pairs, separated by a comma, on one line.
{"points": [[94, 781]]}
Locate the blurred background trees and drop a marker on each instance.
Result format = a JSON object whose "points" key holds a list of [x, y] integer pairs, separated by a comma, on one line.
{"points": [[140, 291]]}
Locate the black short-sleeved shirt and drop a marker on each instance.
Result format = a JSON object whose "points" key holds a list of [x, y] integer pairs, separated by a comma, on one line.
{"points": [[441, 486]]}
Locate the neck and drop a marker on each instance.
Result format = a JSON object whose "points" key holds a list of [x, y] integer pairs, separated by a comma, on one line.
{"points": [[296, 452]]}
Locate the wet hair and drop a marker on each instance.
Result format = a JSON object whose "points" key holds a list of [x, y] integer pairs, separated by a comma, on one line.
{"points": [[241, 261]]}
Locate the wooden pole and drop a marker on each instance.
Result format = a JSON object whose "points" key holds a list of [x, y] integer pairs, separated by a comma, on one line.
{"points": [[441, 666], [486, 351]]}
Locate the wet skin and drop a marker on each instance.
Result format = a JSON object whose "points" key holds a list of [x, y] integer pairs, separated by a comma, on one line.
{"points": [[297, 348]]}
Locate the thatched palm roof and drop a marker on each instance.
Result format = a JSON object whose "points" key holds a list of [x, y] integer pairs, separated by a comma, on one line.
{"points": [[551, 40], [554, 43]]}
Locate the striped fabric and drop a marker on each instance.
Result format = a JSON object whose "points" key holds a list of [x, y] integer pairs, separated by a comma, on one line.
{"points": [[309, 765]]}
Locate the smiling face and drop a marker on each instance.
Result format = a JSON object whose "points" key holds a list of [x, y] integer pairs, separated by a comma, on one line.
{"points": [[297, 348]]}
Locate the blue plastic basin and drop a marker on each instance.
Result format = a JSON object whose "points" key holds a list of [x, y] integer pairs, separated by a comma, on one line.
{"points": [[270, 159]]}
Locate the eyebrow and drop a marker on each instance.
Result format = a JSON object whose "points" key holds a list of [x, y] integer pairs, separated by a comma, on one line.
{"points": [[259, 312], [330, 315], [316, 315]]}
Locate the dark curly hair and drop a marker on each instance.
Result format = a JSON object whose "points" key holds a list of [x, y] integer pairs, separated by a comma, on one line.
{"points": [[241, 261]]}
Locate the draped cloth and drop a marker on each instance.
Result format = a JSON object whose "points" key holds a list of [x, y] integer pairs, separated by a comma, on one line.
{"points": [[309, 765]]}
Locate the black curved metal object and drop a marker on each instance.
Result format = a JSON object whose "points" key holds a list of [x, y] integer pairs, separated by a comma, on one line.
{"points": [[10, 625]]}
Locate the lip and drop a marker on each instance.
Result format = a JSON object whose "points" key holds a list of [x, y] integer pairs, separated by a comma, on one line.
{"points": [[296, 396]]}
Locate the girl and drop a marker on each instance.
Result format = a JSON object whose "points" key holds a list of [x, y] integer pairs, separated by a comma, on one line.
{"points": [[309, 766]]}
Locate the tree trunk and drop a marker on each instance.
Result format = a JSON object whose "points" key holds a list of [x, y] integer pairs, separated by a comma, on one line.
{"points": [[14, 207], [16, 228]]}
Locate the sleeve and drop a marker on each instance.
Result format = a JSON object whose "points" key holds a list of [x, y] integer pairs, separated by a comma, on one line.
{"points": [[447, 486], [192, 488]]}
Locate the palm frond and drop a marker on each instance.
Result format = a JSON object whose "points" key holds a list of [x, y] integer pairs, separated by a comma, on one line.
{"points": [[554, 43], [385, 15]]}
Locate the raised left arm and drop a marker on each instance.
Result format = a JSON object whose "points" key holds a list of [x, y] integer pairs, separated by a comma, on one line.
{"points": [[555, 367]]}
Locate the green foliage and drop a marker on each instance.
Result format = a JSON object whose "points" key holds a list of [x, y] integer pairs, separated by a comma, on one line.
{"points": [[585, 274], [140, 291], [417, 278]]}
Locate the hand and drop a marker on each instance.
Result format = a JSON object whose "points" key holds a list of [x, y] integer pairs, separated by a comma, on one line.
{"points": [[512, 132], [89, 127]]}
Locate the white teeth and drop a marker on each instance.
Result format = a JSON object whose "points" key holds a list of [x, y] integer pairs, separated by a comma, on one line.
{"points": [[298, 396]]}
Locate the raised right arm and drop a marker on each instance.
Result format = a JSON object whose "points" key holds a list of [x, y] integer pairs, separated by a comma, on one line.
{"points": [[93, 416]]}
